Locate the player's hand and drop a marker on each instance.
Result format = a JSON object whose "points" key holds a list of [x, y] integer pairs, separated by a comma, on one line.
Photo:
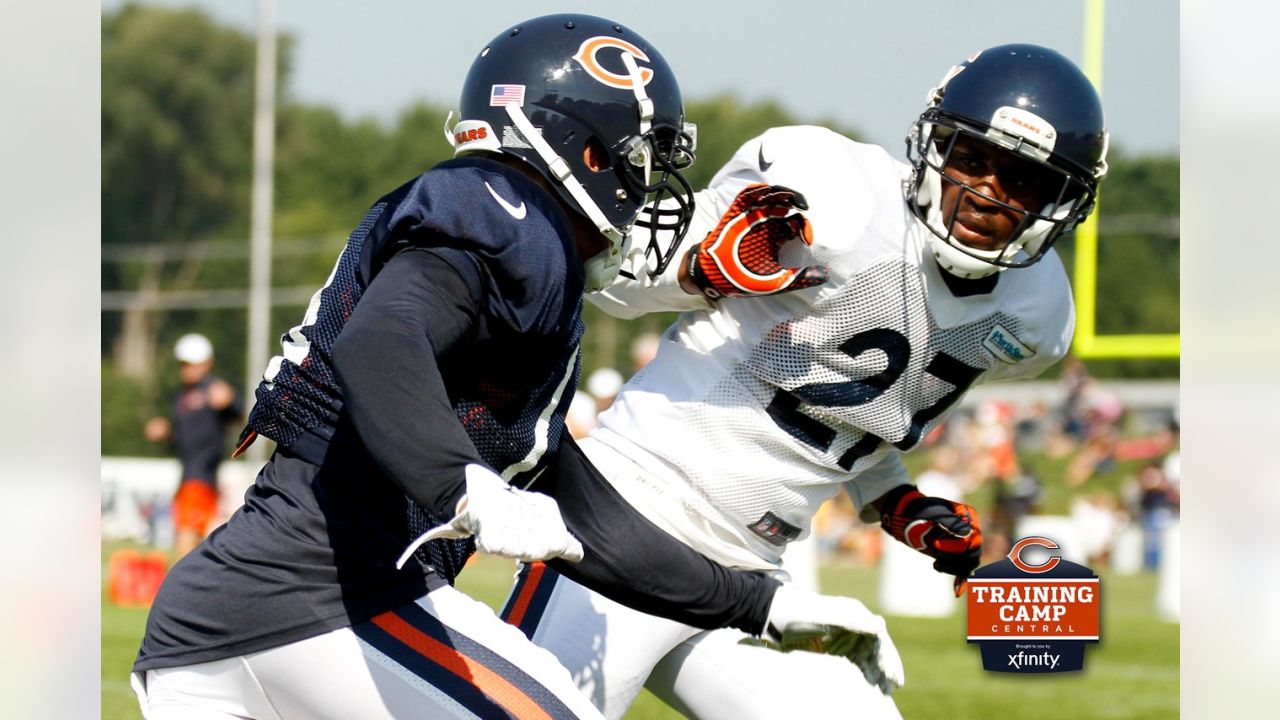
{"points": [[220, 395], [506, 521], [156, 429], [740, 256], [944, 530], [835, 625]]}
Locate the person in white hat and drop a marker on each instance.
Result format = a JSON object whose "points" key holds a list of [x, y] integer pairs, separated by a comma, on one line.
{"points": [[201, 410], [603, 384]]}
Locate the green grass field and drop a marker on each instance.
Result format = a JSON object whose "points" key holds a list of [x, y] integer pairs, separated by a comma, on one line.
{"points": [[1132, 674]]}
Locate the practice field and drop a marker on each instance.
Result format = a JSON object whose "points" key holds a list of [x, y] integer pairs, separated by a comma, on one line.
{"points": [[1132, 674]]}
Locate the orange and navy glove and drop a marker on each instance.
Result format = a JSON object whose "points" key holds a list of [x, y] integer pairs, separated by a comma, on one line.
{"points": [[944, 530], [740, 256]]}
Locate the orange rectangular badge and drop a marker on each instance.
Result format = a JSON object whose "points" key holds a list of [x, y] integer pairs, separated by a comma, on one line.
{"points": [[1002, 608]]}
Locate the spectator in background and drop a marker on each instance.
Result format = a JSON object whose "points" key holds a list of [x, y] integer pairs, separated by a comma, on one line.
{"points": [[994, 434], [1160, 444], [1097, 454], [1075, 381], [603, 385], [836, 527], [581, 418], [1098, 517], [1017, 493], [1158, 505], [643, 349], [1032, 427], [940, 477], [202, 409]]}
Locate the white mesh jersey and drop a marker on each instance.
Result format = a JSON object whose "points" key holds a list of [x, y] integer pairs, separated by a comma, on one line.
{"points": [[756, 410]]}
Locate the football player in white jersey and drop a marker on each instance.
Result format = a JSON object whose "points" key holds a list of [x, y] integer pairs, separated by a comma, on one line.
{"points": [[756, 411]]}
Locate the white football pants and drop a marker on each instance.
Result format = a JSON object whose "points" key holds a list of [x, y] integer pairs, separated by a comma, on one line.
{"points": [[612, 651], [445, 655]]}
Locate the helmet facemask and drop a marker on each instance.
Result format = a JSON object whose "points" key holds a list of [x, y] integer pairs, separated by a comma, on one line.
{"points": [[654, 164], [1069, 199]]}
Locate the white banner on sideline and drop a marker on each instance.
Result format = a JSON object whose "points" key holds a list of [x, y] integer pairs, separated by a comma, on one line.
{"points": [[137, 494]]}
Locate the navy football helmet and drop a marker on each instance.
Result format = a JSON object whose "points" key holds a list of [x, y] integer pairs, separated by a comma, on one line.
{"points": [[559, 89], [1032, 102]]}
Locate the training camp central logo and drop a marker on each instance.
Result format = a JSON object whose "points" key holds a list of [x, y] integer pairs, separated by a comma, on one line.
{"points": [[1033, 618]]}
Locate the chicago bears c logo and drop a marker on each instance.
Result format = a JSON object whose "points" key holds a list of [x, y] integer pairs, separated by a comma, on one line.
{"points": [[591, 47], [1015, 555]]}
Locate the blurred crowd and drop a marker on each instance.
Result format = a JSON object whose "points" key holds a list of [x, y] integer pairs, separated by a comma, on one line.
{"points": [[1106, 467]]}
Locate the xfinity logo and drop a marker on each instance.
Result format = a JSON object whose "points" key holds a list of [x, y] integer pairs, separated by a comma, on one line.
{"points": [[1024, 659]]}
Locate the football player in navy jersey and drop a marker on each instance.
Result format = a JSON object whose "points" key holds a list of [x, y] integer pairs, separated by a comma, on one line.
{"points": [[424, 394]]}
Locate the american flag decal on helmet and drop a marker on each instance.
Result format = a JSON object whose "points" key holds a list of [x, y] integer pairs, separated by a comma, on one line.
{"points": [[506, 95]]}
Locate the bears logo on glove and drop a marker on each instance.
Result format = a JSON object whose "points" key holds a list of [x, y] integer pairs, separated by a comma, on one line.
{"points": [[739, 256]]}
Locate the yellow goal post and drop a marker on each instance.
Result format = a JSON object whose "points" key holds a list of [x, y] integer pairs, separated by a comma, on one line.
{"points": [[1088, 343]]}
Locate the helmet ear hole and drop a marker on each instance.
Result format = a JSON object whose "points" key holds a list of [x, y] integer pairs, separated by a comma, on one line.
{"points": [[594, 155]]}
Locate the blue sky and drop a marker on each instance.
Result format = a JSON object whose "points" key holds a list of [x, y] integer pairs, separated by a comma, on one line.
{"points": [[865, 63]]}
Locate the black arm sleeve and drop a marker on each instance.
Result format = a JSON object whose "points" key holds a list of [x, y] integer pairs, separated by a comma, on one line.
{"points": [[634, 562], [413, 311]]}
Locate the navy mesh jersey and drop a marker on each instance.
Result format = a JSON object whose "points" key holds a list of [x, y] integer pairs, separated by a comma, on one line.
{"points": [[511, 388]]}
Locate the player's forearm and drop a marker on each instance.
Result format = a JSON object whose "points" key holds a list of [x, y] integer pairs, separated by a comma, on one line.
{"points": [[868, 487], [637, 291], [385, 360], [630, 298], [631, 561]]}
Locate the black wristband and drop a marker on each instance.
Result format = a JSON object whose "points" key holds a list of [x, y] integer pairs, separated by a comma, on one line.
{"points": [[699, 278], [890, 500]]}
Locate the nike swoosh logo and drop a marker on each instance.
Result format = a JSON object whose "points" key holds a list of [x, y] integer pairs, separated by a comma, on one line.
{"points": [[515, 212], [764, 166]]}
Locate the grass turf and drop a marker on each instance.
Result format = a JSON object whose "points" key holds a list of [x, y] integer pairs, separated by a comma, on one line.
{"points": [[1131, 674]]}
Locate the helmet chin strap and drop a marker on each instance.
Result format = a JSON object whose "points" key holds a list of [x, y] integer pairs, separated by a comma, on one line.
{"points": [[602, 267], [561, 172], [643, 104]]}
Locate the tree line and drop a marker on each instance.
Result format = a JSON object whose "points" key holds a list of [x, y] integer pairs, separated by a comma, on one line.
{"points": [[177, 100]]}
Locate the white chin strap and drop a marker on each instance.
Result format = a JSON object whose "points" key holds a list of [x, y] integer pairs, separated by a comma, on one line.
{"points": [[602, 267], [645, 106]]}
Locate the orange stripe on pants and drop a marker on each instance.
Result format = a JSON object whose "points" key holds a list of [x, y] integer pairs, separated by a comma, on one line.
{"points": [[510, 697], [527, 589]]}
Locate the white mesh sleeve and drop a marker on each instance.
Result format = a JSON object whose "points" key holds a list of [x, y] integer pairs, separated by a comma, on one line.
{"points": [[875, 481], [630, 297]]}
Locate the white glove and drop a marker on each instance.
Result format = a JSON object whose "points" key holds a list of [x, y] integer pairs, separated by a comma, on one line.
{"points": [[835, 625], [505, 521]]}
